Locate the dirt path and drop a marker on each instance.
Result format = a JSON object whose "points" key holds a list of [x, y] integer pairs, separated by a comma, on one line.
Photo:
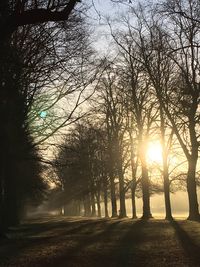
{"points": [[74, 242]]}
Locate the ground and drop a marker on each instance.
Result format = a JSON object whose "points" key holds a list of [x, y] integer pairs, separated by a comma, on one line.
{"points": [[81, 242]]}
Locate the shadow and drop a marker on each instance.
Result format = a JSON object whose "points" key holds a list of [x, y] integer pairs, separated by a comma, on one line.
{"points": [[38, 227], [129, 252], [14, 247], [191, 249], [72, 256]]}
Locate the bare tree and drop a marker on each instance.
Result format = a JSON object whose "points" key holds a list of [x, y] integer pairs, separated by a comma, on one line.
{"points": [[184, 51], [141, 103], [111, 92], [16, 13]]}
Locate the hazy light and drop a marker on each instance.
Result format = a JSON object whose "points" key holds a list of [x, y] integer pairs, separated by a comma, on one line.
{"points": [[43, 114], [154, 153]]}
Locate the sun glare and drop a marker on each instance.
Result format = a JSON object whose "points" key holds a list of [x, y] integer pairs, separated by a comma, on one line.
{"points": [[154, 153]]}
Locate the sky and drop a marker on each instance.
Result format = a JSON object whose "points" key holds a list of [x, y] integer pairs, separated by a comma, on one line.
{"points": [[98, 14]]}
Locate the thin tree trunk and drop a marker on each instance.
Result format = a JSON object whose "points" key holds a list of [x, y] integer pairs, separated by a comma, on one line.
{"points": [[122, 200], [134, 171], [98, 204], [134, 214], [168, 211], [105, 195], [87, 206], [93, 213]]}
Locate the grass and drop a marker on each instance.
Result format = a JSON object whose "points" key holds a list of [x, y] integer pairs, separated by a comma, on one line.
{"points": [[85, 242]]}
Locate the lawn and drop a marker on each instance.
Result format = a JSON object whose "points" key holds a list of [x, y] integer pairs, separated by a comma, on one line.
{"points": [[74, 242]]}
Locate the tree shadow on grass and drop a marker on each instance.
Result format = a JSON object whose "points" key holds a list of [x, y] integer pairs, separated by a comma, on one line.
{"points": [[191, 249], [73, 257], [129, 254], [33, 229], [14, 247]]}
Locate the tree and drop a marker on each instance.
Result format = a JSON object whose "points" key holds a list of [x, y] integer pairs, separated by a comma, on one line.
{"points": [[111, 93], [24, 72], [81, 167], [153, 48], [184, 51], [164, 51], [16, 13], [141, 103]]}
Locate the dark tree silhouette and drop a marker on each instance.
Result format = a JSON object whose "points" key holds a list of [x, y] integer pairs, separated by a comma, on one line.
{"points": [[16, 13]]}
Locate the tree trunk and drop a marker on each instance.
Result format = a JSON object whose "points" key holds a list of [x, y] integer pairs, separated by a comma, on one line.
{"points": [[134, 215], [3, 226], [87, 206], [145, 193], [98, 204], [105, 195], [122, 200], [134, 184], [113, 197], [168, 212], [79, 208], [191, 189], [11, 207], [93, 214]]}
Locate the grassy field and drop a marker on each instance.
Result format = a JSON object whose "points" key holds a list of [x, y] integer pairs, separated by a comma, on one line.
{"points": [[71, 242]]}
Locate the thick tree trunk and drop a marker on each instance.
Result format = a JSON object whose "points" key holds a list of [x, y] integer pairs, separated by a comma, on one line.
{"points": [[3, 226], [113, 197], [11, 203], [168, 212], [191, 189], [145, 193]]}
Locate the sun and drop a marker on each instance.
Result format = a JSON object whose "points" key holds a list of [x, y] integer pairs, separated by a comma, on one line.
{"points": [[154, 152]]}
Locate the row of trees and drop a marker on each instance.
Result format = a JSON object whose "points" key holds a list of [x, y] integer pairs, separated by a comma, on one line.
{"points": [[154, 83], [44, 50], [151, 90]]}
